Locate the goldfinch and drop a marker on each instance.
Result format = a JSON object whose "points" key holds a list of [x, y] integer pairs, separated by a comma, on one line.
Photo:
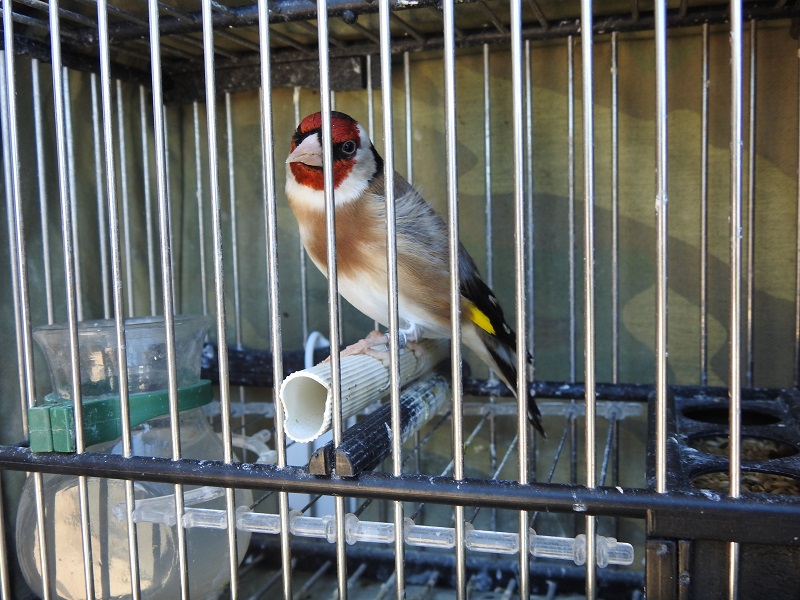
{"points": [[422, 251]]}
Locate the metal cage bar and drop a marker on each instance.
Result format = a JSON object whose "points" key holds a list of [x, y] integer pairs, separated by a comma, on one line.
{"points": [[116, 274], [615, 308], [267, 136], [661, 248], [68, 232], [16, 229], [105, 284], [5, 573], [148, 207], [797, 265], [219, 284], [41, 181], [334, 325], [520, 276], [164, 237], [571, 195], [704, 210], [589, 285], [392, 281], [735, 357]]}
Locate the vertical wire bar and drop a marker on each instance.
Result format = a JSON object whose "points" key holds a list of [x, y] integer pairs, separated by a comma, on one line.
{"points": [[797, 244], [735, 334], [614, 207], [339, 298], [589, 268], [487, 174], [409, 130], [410, 178], [237, 304], [44, 543], [520, 250], [573, 447], [72, 190], [5, 135], [70, 268], [201, 219], [571, 202], [159, 132], [168, 180], [615, 468], [333, 283], [148, 211], [661, 245], [370, 102], [116, 274], [101, 205], [5, 574], [704, 215], [304, 304], [271, 212], [125, 197], [612, 423], [5, 583], [530, 321], [751, 210], [391, 270], [41, 175], [451, 169], [219, 284], [487, 179], [302, 256], [19, 269], [13, 251], [572, 425]]}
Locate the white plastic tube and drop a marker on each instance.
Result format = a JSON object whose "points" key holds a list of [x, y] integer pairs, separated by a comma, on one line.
{"points": [[608, 550], [307, 396]]}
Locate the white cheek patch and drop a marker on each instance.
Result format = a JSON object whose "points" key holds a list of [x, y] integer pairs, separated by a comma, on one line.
{"points": [[303, 195], [351, 188]]}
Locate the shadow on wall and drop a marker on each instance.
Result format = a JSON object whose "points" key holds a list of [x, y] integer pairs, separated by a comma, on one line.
{"points": [[773, 317]]}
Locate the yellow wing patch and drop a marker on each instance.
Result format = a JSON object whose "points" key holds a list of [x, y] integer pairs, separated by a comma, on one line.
{"points": [[478, 317]]}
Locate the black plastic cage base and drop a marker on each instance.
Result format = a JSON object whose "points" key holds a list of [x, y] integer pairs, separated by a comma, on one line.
{"points": [[688, 554], [486, 572]]}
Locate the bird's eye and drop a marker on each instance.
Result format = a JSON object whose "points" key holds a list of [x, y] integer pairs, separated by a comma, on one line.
{"points": [[349, 148]]}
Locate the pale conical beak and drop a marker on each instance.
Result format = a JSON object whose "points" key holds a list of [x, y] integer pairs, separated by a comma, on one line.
{"points": [[309, 152]]}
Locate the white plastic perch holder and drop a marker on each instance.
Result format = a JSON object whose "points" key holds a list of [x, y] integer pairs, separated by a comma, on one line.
{"points": [[307, 395]]}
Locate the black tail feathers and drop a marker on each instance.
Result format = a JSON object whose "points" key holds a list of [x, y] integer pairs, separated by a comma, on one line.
{"points": [[534, 415]]}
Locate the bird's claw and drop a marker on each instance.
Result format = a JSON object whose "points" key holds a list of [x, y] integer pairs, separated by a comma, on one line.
{"points": [[402, 339], [376, 345]]}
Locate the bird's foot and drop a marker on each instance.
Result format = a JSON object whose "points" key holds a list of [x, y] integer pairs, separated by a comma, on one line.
{"points": [[379, 343], [417, 348], [412, 333], [376, 345], [365, 346], [410, 338]]}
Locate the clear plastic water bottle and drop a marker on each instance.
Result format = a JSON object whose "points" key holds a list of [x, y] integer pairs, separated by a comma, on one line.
{"points": [[157, 542]]}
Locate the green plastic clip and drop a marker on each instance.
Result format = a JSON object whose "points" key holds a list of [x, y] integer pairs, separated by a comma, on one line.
{"points": [[51, 426]]}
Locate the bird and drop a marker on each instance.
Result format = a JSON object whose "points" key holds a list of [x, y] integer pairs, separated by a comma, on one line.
{"points": [[423, 268]]}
